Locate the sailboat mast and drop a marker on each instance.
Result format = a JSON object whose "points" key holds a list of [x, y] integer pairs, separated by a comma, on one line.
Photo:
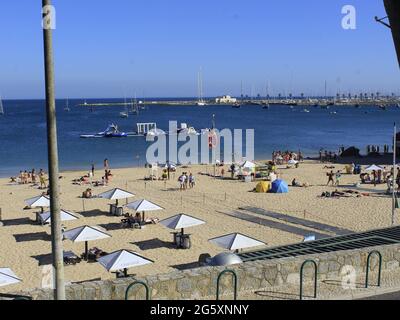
{"points": [[1, 107]]}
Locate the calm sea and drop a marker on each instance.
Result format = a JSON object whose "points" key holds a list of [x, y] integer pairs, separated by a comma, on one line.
{"points": [[23, 131]]}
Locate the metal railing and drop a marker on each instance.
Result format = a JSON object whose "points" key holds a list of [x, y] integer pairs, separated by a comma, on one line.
{"points": [[234, 278], [315, 277], [368, 267], [135, 284]]}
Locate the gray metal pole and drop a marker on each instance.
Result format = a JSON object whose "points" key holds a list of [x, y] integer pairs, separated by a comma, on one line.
{"points": [[56, 233], [394, 175]]}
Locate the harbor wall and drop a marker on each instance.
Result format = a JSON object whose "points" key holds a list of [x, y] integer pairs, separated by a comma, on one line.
{"points": [[201, 283]]}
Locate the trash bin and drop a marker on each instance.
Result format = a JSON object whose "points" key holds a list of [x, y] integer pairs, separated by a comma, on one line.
{"points": [[186, 242], [174, 236], [178, 240], [119, 211]]}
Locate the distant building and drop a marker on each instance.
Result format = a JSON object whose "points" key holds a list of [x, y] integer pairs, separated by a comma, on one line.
{"points": [[225, 100]]}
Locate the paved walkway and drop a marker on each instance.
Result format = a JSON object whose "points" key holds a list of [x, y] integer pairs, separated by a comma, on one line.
{"points": [[299, 221], [275, 224]]}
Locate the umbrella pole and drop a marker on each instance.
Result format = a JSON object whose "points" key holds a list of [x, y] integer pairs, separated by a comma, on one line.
{"points": [[116, 202], [126, 273], [86, 251], [143, 216]]}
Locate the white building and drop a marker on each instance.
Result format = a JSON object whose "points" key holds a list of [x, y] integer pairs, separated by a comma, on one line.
{"points": [[225, 100]]}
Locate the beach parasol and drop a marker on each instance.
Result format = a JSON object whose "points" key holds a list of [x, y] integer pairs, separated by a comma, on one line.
{"points": [[373, 168], [38, 202], [122, 260], [143, 206], [85, 234], [65, 216], [116, 194], [236, 241], [8, 277], [181, 221]]}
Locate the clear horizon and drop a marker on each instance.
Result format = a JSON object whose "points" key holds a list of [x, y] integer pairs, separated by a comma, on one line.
{"points": [[157, 49]]}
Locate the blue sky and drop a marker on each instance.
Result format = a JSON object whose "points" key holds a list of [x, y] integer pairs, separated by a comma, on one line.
{"points": [[156, 47]]}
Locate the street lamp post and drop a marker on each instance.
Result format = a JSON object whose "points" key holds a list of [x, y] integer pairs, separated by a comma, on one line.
{"points": [[56, 233]]}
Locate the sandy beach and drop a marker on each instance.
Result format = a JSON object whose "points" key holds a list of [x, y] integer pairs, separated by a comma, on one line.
{"points": [[26, 245]]}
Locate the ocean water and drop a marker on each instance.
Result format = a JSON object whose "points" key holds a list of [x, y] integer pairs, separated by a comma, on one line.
{"points": [[23, 143]]}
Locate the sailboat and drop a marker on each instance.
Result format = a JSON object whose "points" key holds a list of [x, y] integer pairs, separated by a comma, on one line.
{"points": [[200, 102], [1, 108], [134, 107], [238, 105], [266, 104], [67, 108], [124, 114]]}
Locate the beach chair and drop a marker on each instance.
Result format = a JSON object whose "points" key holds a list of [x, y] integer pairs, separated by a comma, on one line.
{"points": [[71, 258]]}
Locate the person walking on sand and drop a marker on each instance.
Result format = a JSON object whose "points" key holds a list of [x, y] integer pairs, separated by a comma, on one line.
{"points": [[106, 164], [338, 176], [330, 177], [93, 169]]}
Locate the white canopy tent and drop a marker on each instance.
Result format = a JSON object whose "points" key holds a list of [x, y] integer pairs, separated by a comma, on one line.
{"points": [[236, 241], [373, 167], [8, 277], [122, 260], [116, 194], [65, 216], [86, 234], [248, 164], [181, 221], [143, 206]]}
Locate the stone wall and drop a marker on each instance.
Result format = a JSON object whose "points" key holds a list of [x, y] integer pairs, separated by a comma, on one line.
{"points": [[201, 283]]}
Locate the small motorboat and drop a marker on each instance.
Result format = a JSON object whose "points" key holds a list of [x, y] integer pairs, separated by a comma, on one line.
{"points": [[155, 132], [266, 106], [306, 111], [184, 129], [111, 132], [236, 105]]}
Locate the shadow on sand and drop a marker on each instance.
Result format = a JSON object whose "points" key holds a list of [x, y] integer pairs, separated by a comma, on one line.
{"points": [[154, 244], [38, 236]]}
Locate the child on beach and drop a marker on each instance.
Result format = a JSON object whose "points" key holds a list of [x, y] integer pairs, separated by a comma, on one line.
{"points": [[338, 176]]}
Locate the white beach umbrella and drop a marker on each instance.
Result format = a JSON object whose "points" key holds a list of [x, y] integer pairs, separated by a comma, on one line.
{"points": [[181, 221], [40, 201], [65, 216], [143, 206], [236, 241], [122, 260], [86, 234], [116, 194], [373, 167], [8, 277]]}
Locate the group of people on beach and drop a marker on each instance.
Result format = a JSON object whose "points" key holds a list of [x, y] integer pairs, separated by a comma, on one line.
{"points": [[186, 181], [31, 177], [327, 156], [334, 178], [281, 157], [377, 149]]}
